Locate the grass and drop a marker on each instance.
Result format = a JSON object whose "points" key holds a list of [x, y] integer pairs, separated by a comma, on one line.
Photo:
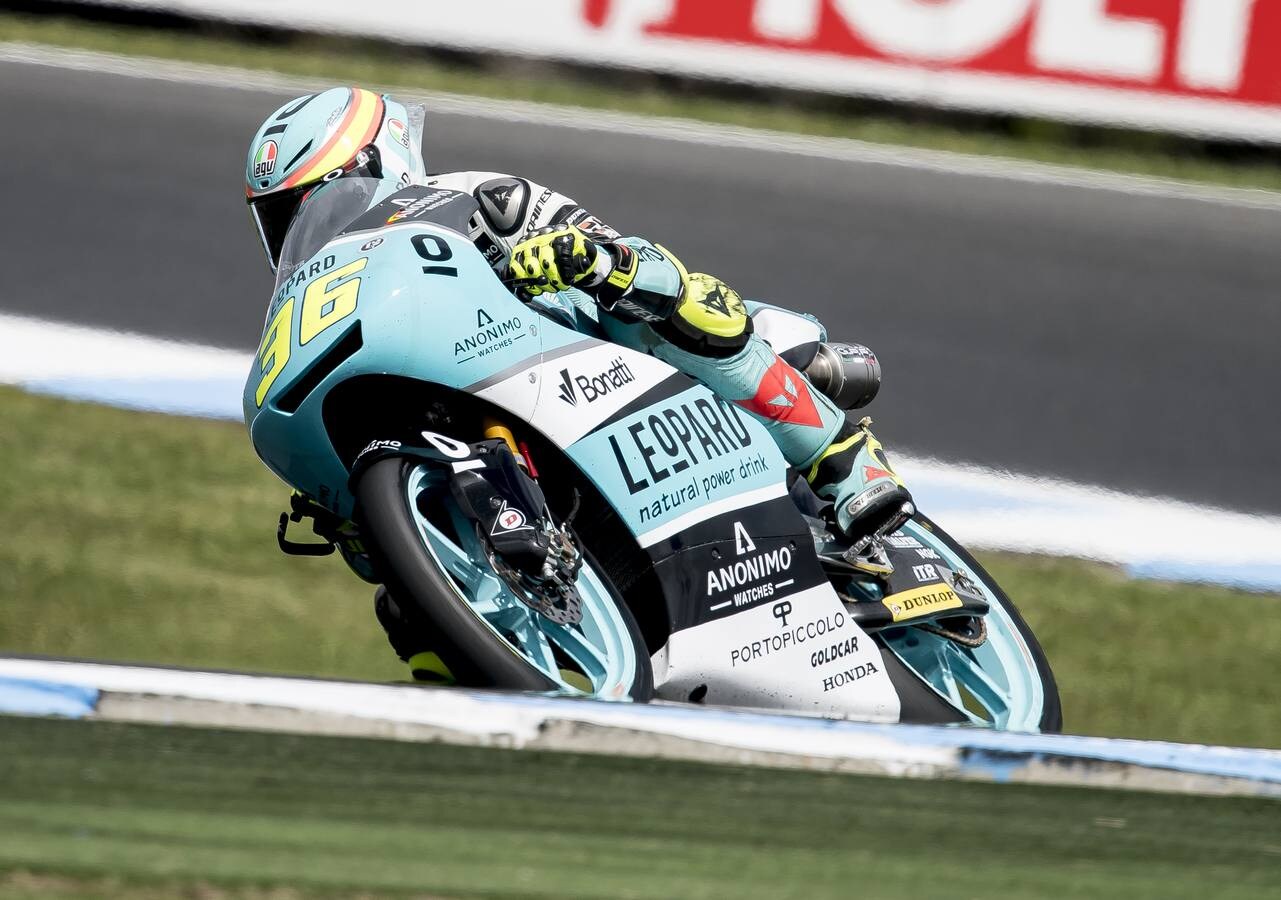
{"points": [[115, 811], [347, 61], [146, 538]]}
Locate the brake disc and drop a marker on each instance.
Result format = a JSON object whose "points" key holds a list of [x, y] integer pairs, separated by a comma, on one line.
{"points": [[565, 608], [559, 603]]}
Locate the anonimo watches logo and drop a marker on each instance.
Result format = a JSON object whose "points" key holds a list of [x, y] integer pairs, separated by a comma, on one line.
{"points": [[592, 388], [751, 576]]}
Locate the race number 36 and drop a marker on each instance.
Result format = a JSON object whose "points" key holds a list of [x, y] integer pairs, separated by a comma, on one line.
{"points": [[326, 302]]}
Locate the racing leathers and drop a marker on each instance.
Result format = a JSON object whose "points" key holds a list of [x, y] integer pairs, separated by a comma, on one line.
{"points": [[632, 292]]}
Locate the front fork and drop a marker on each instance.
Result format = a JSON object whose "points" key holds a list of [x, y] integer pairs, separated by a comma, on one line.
{"points": [[495, 430], [494, 483]]}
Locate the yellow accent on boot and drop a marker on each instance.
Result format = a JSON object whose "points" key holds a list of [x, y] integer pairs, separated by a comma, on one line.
{"points": [[834, 449], [877, 452], [430, 668]]}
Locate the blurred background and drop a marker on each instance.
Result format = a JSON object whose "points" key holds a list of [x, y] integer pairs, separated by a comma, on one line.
{"points": [[1055, 221]]}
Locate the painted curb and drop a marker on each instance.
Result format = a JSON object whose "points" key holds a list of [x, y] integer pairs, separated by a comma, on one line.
{"points": [[659, 730]]}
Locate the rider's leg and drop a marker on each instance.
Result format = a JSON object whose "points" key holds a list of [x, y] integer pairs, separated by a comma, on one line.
{"points": [[711, 339], [407, 640]]}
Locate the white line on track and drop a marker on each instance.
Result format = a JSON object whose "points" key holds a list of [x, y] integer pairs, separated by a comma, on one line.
{"points": [[659, 128], [35, 350]]}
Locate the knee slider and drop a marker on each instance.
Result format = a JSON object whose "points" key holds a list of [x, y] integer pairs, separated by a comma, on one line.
{"points": [[710, 319]]}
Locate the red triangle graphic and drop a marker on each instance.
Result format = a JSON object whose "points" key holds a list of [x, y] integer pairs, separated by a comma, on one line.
{"points": [[776, 382], [871, 473]]}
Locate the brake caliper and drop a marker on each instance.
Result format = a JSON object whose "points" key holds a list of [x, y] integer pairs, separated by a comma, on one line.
{"points": [[537, 559]]}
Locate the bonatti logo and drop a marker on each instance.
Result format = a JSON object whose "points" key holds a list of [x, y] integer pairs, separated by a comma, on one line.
{"points": [[567, 388], [592, 388]]}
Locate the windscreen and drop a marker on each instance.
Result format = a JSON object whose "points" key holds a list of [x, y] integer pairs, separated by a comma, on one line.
{"points": [[325, 212]]}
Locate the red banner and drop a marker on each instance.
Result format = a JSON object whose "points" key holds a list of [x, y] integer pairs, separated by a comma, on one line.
{"points": [[1211, 49], [1210, 67]]}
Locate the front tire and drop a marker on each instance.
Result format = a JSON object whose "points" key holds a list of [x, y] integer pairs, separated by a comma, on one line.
{"points": [[429, 576], [1052, 709], [1008, 692]]}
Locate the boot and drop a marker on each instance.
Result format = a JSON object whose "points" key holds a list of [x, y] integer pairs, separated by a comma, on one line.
{"points": [[424, 664], [869, 499]]}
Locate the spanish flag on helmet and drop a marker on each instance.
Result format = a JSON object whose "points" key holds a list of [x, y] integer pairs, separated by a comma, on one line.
{"points": [[320, 137]]}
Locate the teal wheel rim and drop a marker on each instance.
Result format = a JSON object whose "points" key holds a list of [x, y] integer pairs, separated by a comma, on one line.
{"points": [[997, 684], [595, 656]]}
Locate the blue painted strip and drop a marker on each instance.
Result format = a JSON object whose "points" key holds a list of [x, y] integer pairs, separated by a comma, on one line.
{"points": [[206, 398], [995, 753], [1258, 577], [23, 697], [984, 748]]}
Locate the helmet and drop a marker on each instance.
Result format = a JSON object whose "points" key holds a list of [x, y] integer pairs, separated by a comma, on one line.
{"points": [[320, 137]]}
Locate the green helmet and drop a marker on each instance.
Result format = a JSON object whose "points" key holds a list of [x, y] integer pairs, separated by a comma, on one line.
{"points": [[320, 137]]}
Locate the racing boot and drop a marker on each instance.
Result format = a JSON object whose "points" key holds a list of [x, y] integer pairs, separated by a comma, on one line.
{"points": [[869, 500], [424, 665]]}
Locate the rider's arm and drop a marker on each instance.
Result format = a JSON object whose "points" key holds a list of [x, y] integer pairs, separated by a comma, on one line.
{"points": [[635, 279], [522, 219], [514, 208], [628, 276]]}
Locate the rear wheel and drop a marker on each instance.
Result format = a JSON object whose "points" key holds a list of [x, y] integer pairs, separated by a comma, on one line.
{"points": [[437, 568]]}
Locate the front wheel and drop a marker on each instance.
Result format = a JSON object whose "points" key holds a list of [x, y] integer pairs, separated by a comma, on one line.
{"points": [[434, 562], [1006, 682]]}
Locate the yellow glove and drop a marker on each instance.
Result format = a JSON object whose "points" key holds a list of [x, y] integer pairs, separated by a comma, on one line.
{"points": [[551, 259]]}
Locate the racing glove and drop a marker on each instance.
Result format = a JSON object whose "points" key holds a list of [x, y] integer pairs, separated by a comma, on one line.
{"points": [[552, 259], [555, 258]]}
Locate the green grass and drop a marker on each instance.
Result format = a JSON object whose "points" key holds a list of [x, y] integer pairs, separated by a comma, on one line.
{"points": [[147, 538], [116, 811], [346, 61]]}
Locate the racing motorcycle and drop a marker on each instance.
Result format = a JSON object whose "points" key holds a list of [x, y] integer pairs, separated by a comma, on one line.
{"points": [[554, 512]]}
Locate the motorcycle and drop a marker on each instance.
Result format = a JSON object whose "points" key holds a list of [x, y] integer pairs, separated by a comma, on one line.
{"points": [[557, 513]]}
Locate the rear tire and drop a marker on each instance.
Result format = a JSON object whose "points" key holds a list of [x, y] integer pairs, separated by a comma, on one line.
{"points": [[474, 653]]}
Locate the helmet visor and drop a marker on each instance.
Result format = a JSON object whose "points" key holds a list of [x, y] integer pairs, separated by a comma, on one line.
{"points": [[273, 213]]}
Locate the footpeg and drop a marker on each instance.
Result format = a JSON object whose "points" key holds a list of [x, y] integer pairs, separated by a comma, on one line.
{"points": [[868, 553], [301, 507]]}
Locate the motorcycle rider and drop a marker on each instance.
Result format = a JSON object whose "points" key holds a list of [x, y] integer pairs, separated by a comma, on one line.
{"points": [[561, 258]]}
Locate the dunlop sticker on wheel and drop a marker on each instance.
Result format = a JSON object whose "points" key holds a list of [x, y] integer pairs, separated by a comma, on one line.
{"points": [[921, 601]]}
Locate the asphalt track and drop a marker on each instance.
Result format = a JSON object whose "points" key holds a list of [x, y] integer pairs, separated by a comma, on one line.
{"points": [[1104, 337]]}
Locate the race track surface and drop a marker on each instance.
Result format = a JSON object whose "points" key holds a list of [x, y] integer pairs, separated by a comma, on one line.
{"points": [[1104, 337]]}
